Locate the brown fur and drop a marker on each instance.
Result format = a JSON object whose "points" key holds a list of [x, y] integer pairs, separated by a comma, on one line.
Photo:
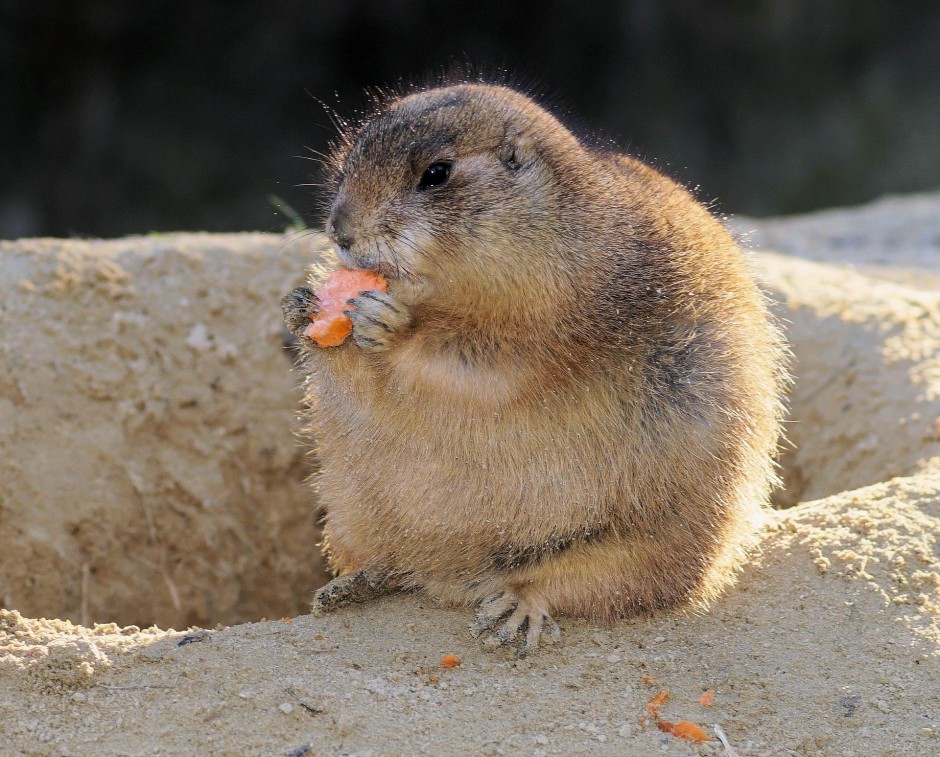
{"points": [[584, 401]]}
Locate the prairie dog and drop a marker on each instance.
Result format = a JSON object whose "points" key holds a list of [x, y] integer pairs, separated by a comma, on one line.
{"points": [[569, 400]]}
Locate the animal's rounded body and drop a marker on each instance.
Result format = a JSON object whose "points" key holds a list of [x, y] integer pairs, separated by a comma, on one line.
{"points": [[570, 398]]}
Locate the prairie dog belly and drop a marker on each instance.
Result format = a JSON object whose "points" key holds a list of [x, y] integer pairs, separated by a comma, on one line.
{"points": [[425, 484]]}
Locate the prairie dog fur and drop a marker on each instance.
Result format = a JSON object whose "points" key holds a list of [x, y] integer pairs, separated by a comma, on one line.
{"points": [[568, 402]]}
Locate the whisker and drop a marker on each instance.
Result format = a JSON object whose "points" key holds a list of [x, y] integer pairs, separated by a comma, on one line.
{"points": [[399, 269], [339, 123], [429, 258], [388, 232], [411, 245], [324, 155], [295, 236]]}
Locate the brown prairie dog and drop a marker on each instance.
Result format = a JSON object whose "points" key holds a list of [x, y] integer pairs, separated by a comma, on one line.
{"points": [[568, 401]]}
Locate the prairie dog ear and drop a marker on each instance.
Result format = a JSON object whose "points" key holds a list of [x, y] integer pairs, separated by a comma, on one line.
{"points": [[517, 150]]}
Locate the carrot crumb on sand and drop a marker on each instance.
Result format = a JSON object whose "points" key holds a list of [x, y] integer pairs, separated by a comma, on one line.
{"points": [[318, 637], [706, 699], [658, 701], [450, 661], [684, 730], [648, 680], [288, 621], [331, 326]]}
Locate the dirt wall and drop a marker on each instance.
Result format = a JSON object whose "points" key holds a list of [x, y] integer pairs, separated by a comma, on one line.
{"points": [[149, 471]]}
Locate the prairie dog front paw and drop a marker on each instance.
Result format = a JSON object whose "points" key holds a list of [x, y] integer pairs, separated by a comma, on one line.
{"points": [[377, 317], [300, 307]]}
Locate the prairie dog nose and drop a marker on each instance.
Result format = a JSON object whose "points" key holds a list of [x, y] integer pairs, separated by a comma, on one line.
{"points": [[338, 224]]}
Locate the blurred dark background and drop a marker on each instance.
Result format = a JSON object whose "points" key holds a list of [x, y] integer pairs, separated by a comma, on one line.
{"points": [[124, 117]]}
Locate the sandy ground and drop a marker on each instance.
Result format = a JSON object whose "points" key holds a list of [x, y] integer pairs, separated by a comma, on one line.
{"points": [[828, 645]]}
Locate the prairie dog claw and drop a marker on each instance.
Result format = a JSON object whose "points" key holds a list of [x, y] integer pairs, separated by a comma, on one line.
{"points": [[507, 619], [376, 316]]}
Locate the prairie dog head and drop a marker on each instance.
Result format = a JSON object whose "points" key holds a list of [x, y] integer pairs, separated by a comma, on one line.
{"points": [[453, 192]]}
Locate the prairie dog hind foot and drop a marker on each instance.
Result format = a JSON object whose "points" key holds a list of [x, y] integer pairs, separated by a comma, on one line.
{"points": [[509, 619], [355, 587]]}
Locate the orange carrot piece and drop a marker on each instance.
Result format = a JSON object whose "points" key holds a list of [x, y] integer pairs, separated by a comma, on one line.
{"points": [[450, 661], [658, 701], [706, 699], [684, 730], [331, 326]]}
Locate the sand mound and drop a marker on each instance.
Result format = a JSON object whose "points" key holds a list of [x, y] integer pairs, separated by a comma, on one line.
{"points": [[173, 464], [149, 472]]}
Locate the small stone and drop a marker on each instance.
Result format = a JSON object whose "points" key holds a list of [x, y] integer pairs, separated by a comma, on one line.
{"points": [[286, 707], [244, 694], [199, 338], [612, 658], [541, 739], [79, 697]]}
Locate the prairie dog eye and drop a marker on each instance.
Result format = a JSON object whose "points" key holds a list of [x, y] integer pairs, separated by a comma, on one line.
{"points": [[434, 175]]}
